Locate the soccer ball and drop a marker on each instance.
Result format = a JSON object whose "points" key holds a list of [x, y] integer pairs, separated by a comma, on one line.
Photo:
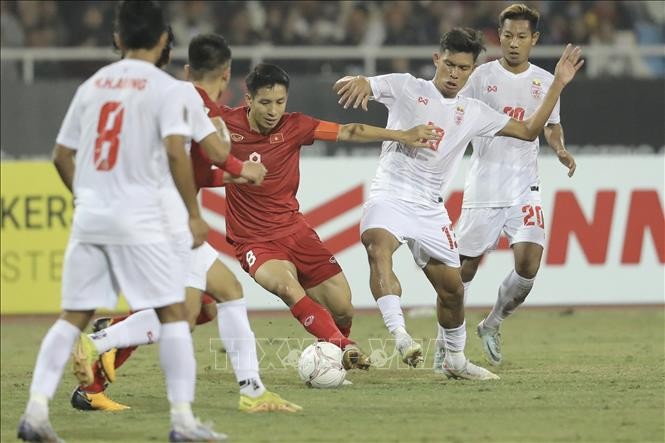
{"points": [[320, 366]]}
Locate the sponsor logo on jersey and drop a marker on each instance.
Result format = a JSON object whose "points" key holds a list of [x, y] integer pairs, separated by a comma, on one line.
{"points": [[237, 137], [491, 88], [459, 115], [536, 89], [276, 138], [423, 100]]}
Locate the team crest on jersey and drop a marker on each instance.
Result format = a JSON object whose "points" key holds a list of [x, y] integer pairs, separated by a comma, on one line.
{"points": [[459, 115], [276, 138], [237, 137], [536, 89], [255, 157]]}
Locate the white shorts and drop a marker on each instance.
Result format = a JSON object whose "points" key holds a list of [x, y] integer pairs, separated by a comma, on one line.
{"points": [[201, 259], [479, 229], [427, 231], [148, 275]]}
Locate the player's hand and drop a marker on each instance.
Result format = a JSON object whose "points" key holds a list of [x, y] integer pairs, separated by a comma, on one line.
{"points": [[254, 172], [423, 136], [199, 229], [354, 91], [567, 159], [568, 64], [229, 178]]}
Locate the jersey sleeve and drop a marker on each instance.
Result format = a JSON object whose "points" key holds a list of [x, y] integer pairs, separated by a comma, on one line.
{"points": [[70, 131], [175, 113], [487, 121], [307, 126], [387, 89]]}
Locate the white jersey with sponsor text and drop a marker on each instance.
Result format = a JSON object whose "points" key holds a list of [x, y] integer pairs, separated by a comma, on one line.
{"points": [[116, 122], [421, 175], [504, 168]]}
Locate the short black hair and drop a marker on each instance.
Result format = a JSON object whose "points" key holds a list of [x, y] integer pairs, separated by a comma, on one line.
{"points": [[139, 24], [165, 56], [463, 40], [208, 52], [266, 74]]}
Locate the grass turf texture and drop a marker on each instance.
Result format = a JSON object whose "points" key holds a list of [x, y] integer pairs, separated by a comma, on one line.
{"points": [[569, 375]]}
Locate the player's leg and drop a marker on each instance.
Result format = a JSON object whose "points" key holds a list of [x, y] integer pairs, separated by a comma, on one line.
{"points": [[447, 283], [153, 275], [208, 309], [281, 278], [381, 235], [235, 332], [526, 235], [335, 294], [85, 286]]}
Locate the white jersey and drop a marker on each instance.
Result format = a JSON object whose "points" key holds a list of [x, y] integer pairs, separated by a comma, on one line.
{"points": [[202, 127], [503, 169], [422, 175], [117, 122]]}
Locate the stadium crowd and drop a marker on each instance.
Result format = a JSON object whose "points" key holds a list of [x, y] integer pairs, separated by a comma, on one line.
{"points": [[373, 23]]}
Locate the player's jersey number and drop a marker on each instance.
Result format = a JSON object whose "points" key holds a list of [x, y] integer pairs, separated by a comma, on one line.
{"points": [[107, 143], [250, 258], [516, 113], [533, 216]]}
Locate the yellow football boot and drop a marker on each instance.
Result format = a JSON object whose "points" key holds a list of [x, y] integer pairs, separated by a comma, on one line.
{"points": [[267, 402]]}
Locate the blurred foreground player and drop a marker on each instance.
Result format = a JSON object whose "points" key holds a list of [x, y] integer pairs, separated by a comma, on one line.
{"points": [[118, 129]]}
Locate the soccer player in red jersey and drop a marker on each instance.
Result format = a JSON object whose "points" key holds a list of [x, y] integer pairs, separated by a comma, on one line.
{"points": [[272, 240]]}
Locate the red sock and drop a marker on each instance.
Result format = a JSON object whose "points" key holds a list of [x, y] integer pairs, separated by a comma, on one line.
{"points": [[99, 384], [318, 322], [345, 330], [203, 314], [122, 355]]}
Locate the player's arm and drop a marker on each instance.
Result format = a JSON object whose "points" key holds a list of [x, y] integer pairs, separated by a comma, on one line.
{"points": [[421, 136], [554, 137], [219, 178], [63, 159], [183, 176], [568, 65]]}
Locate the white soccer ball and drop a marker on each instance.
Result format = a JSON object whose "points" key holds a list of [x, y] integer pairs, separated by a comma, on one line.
{"points": [[320, 366]]}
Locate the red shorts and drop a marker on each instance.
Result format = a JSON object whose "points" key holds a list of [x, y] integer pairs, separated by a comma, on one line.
{"points": [[313, 261]]}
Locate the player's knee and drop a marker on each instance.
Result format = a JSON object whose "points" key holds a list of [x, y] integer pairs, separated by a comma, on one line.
{"points": [[527, 268], [452, 300], [469, 268], [377, 254]]}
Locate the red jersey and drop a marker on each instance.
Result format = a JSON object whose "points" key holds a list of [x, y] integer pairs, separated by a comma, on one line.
{"points": [[205, 175], [269, 211]]}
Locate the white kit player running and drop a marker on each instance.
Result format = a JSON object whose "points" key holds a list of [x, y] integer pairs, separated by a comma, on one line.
{"points": [[502, 191], [405, 206], [117, 128]]}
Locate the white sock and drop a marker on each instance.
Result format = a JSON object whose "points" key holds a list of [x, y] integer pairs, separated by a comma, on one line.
{"points": [[240, 344], [140, 328], [455, 338], [440, 337], [176, 355], [467, 287], [53, 355], [390, 308], [512, 292], [182, 415]]}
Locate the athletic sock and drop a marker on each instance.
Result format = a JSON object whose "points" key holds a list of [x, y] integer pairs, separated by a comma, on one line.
{"points": [[512, 292], [203, 316], [240, 344], [390, 308], [140, 328], [176, 355], [467, 289], [318, 322], [53, 355]]}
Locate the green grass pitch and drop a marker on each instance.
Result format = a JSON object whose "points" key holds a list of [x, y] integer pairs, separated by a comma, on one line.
{"points": [[582, 375]]}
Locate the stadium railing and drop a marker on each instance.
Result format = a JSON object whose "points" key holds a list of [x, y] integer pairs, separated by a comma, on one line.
{"points": [[636, 58]]}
